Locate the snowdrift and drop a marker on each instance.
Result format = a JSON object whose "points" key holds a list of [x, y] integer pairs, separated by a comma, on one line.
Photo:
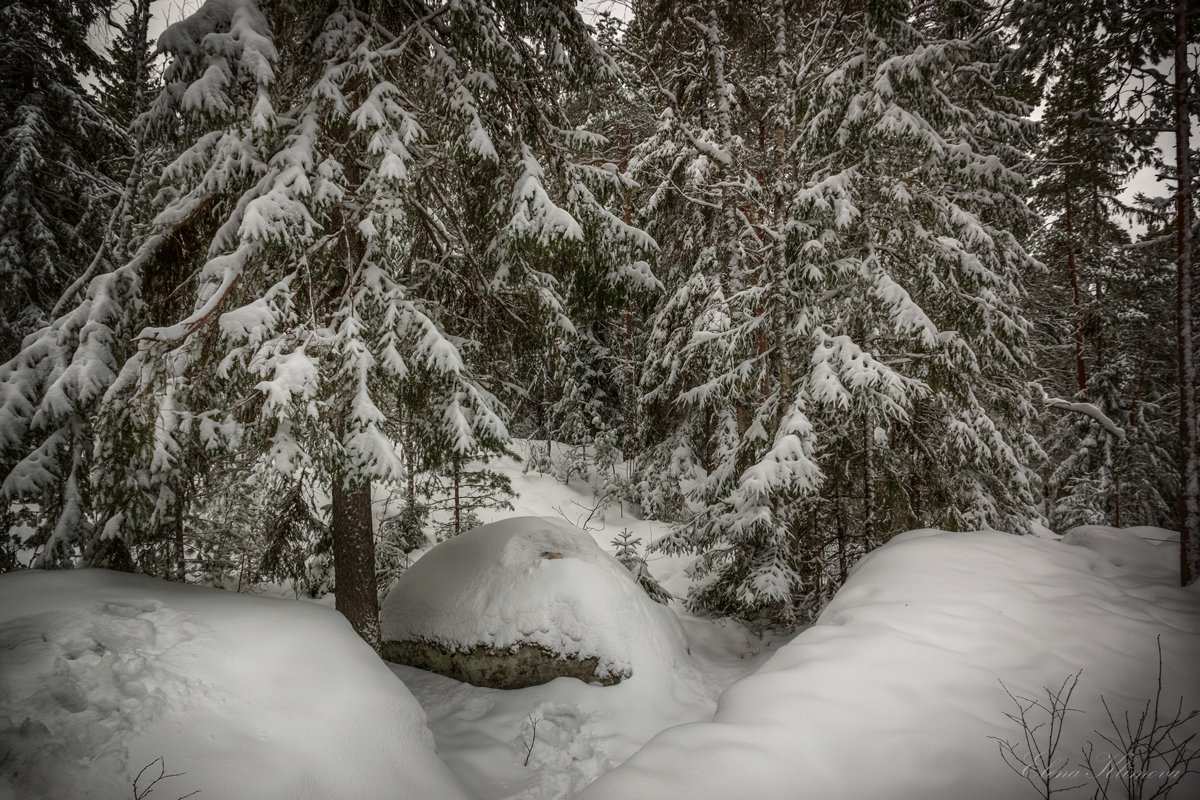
{"points": [[101, 673], [544, 742], [522, 601], [895, 690]]}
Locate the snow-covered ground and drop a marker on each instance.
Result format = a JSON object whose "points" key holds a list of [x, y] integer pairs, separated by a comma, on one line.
{"points": [[896, 689], [244, 697], [492, 587], [893, 693]]}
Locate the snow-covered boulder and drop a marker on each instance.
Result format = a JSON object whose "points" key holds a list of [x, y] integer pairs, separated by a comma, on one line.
{"points": [[523, 601], [103, 673]]}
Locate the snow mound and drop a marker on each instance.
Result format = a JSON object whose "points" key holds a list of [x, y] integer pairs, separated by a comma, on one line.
{"points": [[1137, 550], [531, 581], [895, 691], [102, 673]]}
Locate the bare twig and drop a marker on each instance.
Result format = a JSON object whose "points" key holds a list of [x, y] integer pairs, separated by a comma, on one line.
{"points": [[1035, 758], [140, 793], [533, 721], [1150, 756], [592, 511]]}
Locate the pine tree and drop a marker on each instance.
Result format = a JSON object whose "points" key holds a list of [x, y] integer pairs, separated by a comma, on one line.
{"points": [[1152, 42], [1183, 97], [1089, 303], [130, 84], [364, 206], [578, 384], [1145, 46], [854, 332], [692, 165], [627, 549], [56, 150]]}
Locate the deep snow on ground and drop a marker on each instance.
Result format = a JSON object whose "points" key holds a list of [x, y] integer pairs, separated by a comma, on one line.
{"points": [[895, 691], [892, 694], [492, 586], [485, 735], [252, 698]]}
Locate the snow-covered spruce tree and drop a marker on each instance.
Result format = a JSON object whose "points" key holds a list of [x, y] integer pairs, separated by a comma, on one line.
{"points": [[1149, 46], [126, 91], [130, 83], [1091, 330], [57, 179], [857, 356], [361, 213], [700, 201], [579, 384]]}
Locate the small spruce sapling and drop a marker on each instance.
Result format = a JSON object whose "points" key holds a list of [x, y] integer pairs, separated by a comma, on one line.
{"points": [[629, 552], [397, 539]]}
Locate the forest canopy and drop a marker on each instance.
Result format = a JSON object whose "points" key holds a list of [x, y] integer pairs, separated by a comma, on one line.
{"points": [[791, 277]]}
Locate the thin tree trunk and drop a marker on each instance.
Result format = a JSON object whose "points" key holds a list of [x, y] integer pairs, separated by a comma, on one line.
{"points": [[410, 466], [868, 478], [354, 559], [180, 555], [1076, 302], [1189, 506], [814, 566], [628, 330], [839, 521], [1116, 498], [457, 499]]}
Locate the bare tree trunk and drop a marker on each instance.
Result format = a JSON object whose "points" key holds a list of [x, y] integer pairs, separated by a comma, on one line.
{"points": [[457, 499], [839, 521], [629, 386], [1189, 506], [410, 466], [354, 559], [1116, 498], [868, 478], [1076, 301], [180, 555]]}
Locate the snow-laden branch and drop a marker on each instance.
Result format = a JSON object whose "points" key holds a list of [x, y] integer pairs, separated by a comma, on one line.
{"points": [[1087, 409]]}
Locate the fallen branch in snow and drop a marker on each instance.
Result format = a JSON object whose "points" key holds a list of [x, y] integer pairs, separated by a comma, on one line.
{"points": [[582, 522], [141, 793], [1087, 409]]}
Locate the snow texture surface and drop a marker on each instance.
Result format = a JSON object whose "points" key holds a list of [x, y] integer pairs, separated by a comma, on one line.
{"points": [[101, 673], [893, 693], [895, 690], [532, 580]]}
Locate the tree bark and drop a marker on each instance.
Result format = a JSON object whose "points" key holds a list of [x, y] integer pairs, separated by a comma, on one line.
{"points": [[1189, 505], [180, 551], [457, 498], [1076, 301], [354, 559], [839, 520], [868, 479]]}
